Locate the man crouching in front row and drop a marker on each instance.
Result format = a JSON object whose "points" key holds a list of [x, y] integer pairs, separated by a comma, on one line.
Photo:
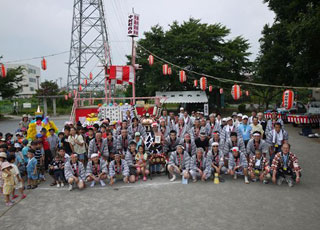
{"points": [[179, 163]]}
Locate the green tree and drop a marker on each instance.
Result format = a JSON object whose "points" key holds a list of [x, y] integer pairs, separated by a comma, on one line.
{"points": [[193, 45], [10, 85], [290, 47], [48, 88]]}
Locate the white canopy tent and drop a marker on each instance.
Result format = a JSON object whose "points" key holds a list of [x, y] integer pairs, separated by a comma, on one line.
{"points": [[180, 97]]}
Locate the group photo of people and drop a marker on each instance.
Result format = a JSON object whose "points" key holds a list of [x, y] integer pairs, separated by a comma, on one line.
{"points": [[182, 145]]}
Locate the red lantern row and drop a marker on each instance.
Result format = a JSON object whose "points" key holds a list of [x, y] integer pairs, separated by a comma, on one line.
{"points": [[3, 70], [195, 83], [203, 83], [288, 99], [151, 60], [182, 76], [44, 64], [165, 69], [236, 92]]}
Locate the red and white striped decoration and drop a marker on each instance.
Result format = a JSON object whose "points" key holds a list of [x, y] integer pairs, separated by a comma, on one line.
{"points": [[236, 92], [195, 83], [182, 76], [43, 64], [3, 71], [221, 90], [169, 71], [288, 99], [247, 93], [210, 88], [165, 69], [122, 74], [90, 76], [303, 119], [203, 83], [151, 60]]}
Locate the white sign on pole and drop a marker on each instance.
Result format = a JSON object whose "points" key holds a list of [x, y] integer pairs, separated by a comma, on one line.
{"points": [[26, 105], [133, 25], [206, 109]]}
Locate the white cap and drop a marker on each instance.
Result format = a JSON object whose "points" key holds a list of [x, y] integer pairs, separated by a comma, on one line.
{"points": [[215, 144], [94, 155], [245, 117], [235, 149], [229, 118], [17, 145], [239, 115], [224, 119], [181, 108]]}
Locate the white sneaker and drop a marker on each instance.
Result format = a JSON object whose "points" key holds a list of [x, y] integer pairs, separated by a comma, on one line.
{"points": [[102, 183], [235, 176], [58, 185], [70, 187], [62, 185], [92, 184], [173, 178], [246, 180]]}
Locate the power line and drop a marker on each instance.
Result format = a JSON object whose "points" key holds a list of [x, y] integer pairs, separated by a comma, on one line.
{"points": [[34, 58], [223, 79]]}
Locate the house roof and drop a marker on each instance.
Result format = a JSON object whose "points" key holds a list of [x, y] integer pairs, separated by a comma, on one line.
{"points": [[183, 97]]}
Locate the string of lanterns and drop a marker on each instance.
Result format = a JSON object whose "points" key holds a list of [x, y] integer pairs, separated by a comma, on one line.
{"points": [[203, 83]]}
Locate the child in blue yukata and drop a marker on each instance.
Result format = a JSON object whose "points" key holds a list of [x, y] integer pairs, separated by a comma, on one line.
{"points": [[32, 170]]}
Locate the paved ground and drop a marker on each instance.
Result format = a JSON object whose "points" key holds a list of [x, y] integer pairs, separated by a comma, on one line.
{"points": [[159, 204]]}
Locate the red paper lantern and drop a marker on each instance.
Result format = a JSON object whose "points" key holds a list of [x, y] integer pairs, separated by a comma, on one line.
{"points": [[210, 88], [3, 70], [247, 93], [80, 87], [74, 92], [182, 76], [221, 90], [66, 97], [90, 76], [236, 92], [288, 99], [151, 60], [85, 82], [43, 64], [195, 83], [169, 71], [203, 83], [70, 95], [165, 69]]}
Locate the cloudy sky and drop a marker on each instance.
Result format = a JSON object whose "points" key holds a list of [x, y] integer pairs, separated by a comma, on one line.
{"points": [[32, 28]]}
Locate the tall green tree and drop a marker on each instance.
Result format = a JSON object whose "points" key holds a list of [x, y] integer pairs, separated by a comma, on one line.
{"points": [[48, 88], [290, 47], [196, 46], [11, 84]]}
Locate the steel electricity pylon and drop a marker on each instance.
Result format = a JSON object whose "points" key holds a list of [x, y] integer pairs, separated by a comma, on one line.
{"points": [[89, 50]]}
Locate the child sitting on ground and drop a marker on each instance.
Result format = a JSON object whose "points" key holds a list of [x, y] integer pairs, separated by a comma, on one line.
{"points": [[57, 166], [19, 183], [8, 182], [141, 163], [32, 170]]}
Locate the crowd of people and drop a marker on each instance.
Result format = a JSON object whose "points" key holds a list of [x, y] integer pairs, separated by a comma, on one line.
{"points": [[192, 146]]}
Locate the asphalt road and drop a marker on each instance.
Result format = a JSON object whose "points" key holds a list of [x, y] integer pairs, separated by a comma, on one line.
{"points": [[159, 204]]}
